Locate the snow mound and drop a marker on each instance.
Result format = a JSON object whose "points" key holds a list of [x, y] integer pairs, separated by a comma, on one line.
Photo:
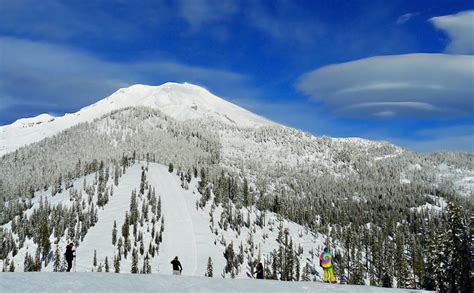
{"points": [[180, 101]]}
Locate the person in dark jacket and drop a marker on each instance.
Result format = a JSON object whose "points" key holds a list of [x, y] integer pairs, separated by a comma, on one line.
{"points": [[177, 268], [69, 255], [259, 271]]}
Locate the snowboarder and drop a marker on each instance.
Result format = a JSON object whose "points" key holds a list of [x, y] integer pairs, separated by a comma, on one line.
{"points": [[259, 271], [325, 261], [177, 268], [69, 254]]}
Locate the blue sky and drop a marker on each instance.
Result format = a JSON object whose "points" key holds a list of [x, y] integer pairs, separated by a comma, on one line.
{"points": [[401, 71]]}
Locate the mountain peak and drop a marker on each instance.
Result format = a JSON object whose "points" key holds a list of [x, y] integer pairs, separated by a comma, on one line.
{"points": [[181, 101]]}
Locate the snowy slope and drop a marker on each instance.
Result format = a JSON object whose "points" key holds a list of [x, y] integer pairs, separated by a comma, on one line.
{"points": [[86, 282], [180, 101], [187, 232]]}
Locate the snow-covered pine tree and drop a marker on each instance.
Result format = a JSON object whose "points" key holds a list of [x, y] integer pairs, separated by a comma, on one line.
{"points": [[106, 265], [457, 250], [134, 267], [146, 265], [209, 268], [57, 260], [116, 264], [357, 275], [114, 233], [305, 276]]}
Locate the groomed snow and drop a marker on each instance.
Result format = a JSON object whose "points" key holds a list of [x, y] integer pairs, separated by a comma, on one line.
{"points": [[110, 282]]}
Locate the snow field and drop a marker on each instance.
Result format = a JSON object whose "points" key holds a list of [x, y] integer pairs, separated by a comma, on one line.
{"points": [[101, 282]]}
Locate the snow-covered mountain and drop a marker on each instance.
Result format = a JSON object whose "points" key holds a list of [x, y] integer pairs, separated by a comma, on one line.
{"points": [[180, 101], [232, 186]]}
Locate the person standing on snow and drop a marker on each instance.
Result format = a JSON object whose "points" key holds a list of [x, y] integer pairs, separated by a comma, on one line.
{"points": [[325, 261], [69, 254], [259, 271], [177, 268]]}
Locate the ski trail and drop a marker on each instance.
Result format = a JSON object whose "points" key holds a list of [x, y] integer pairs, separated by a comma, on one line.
{"points": [[99, 237], [179, 235]]}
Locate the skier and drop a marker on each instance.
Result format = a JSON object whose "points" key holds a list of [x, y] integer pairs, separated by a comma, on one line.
{"points": [[259, 271], [69, 254], [177, 268], [325, 261]]}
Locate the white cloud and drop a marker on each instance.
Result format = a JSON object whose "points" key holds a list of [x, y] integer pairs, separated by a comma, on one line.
{"points": [[460, 28], [58, 20], [199, 12], [405, 18], [436, 85], [278, 23], [48, 77]]}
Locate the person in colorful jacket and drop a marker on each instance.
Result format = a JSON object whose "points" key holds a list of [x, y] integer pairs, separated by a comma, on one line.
{"points": [[325, 261]]}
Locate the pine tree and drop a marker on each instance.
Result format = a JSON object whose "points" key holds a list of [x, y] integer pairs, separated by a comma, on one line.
{"points": [[116, 175], [305, 276], [142, 246], [71, 228], [57, 260], [297, 268], [37, 261], [357, 275], [94, 261], [116, 264], [45, 242], [289, 263], [457, 250], [401, 263], [266, 268], [245, 195], [26, 263], [275, 266], [126, 226], [134, 268], [209, 268], [106, 264], [12, 266], [146, 265], [114, 233]]}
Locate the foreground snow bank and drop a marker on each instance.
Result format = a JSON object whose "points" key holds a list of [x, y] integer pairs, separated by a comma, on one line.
{"points": [[110, 282]]}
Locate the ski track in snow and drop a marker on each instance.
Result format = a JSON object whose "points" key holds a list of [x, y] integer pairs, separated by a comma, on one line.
{"points": [[181, 242]]}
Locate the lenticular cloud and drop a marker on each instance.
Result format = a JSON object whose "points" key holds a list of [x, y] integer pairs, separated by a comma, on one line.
{"points": [[438, 85]]}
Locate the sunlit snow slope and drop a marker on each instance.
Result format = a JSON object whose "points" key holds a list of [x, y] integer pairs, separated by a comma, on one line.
{"points": [[180, 101]]}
